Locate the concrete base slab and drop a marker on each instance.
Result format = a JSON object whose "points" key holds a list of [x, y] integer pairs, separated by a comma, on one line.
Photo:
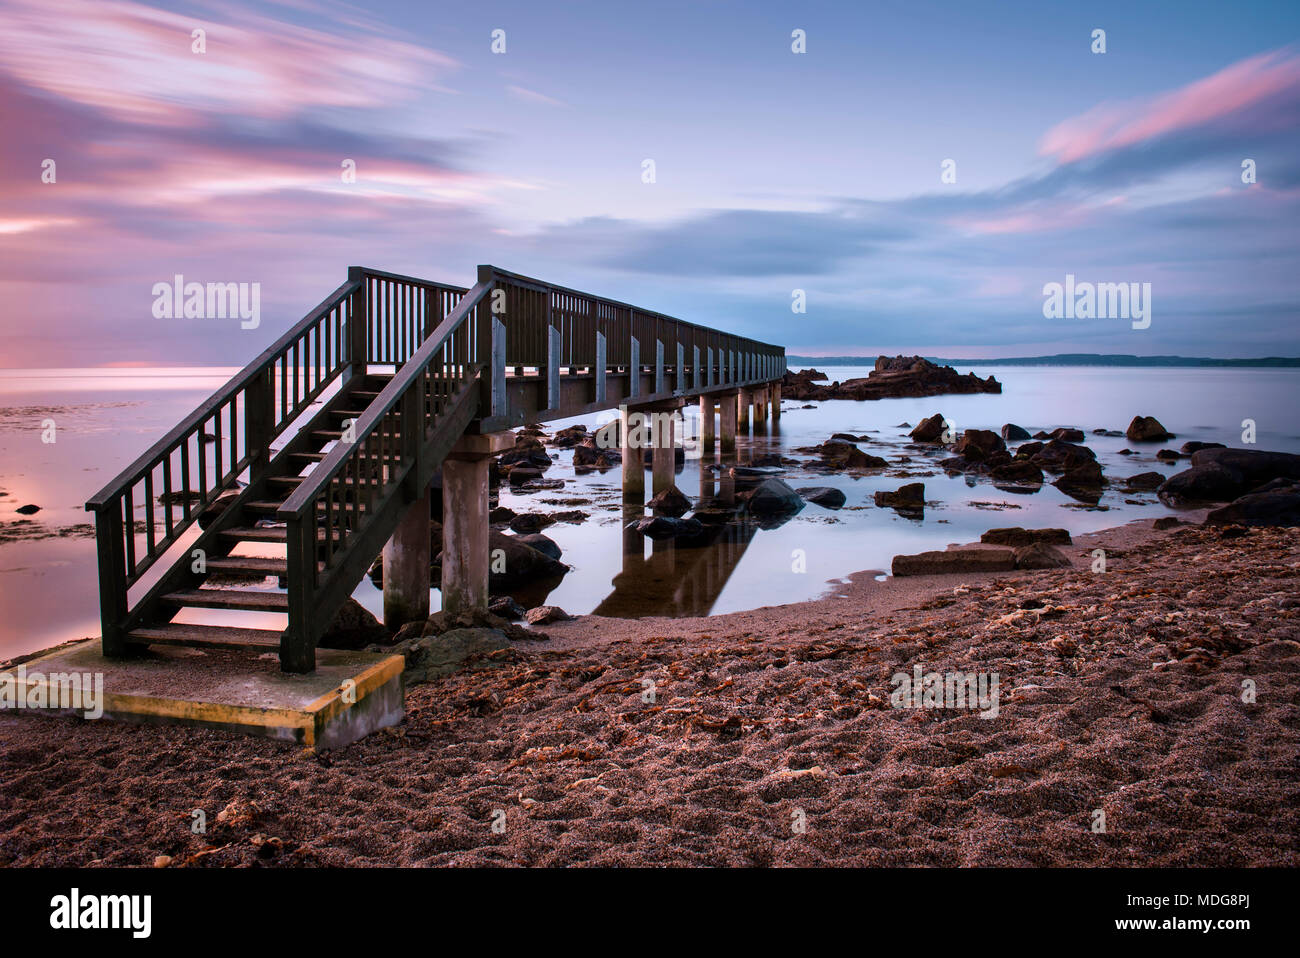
{"points": [[350, 695]]}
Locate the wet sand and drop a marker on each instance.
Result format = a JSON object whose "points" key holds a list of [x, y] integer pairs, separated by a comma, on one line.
{"points": [[1120, 691]]}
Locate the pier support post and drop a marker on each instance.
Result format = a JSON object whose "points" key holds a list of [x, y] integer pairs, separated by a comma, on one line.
{"points": [[707, 430], [776, 401], [664, 457], [727, 420], [742, 415], [465, 559], [633, 458], [406, 568]]}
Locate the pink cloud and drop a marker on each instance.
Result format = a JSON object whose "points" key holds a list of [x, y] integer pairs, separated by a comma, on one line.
{"points": [[136, 62], [1232, 89]]}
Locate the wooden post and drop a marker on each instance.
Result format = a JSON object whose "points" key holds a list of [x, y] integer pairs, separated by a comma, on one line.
{"points": [[109, 531], [634, 369], [298, 643], [358, 322], [776, 401], [259, 422], [600, 369]]}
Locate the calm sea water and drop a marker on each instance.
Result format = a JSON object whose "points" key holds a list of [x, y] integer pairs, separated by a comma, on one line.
{"points": [[105, 418]]}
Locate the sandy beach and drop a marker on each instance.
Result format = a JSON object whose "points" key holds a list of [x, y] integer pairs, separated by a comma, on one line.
{"points": [[770, 739]]}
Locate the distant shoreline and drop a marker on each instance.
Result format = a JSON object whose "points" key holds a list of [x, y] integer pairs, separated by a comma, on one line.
{"points": [[1067, 359]]}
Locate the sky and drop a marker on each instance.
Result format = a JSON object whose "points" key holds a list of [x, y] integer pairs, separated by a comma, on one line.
{"points": [[774, 171]]}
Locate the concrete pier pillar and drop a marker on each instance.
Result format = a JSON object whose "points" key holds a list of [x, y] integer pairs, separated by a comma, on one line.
{"points": [[708, 432], [664, 457], [742, 414], [776, 401], [760, 406], [727, 417], [406, 568], [630, 429], [465, 558]]}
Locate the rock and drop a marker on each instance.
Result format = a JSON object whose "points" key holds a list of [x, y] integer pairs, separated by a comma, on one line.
{"points": [[1167, 522], [1193, 445], [587, 458], [31, 510], [894, 376], [529, 522], [931, 429], [1147, 429], [501, 514], [1066, 434], [824, 496], [977, 445], [569, 436], [1126, 452], [353, 627], [1145, 480], [667, 527], [1170, 455], [954, 561], [910, 497], [209, 514], [522, 474], [1056, 455], [1017, 536], [522, 563], [1017, 471], [1278, 506], [1013, 433], [671, 502], [437, 656], [1083, 482], [506, 607], [1223, 474], [840, 454], [543, 544], [1040, 555], [774, 498], [546, 614]]}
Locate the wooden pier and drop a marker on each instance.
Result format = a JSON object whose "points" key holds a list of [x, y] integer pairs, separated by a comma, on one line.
{"points": [[325, 445]]}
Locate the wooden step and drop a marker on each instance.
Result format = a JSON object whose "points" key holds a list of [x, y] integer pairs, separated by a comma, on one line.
{"points": [[229, 599], [258, 565], [254, 534], [328, 434], [286, 480], [262, 506], [213, 636], [358, 413], [310, 456]]}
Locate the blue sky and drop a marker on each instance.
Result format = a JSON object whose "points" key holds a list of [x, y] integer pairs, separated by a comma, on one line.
{"points": [[775, 171]]}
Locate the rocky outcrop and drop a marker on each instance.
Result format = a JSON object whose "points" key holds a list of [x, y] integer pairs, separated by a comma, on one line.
{"points": [[671, 502], [1277, 503], [354, 627], [1222, 475], [667, 527], [1018, 536], [932, 429], [1013, 433], [1040, 555], [543, 544], [773, 497], [841, 454], [824, 496], [954, 561], [977, 445], [893, 377], [908, 498], [1147, 429]]}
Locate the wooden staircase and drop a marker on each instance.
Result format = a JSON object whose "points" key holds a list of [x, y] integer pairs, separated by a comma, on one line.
{"points": [[319, 447]]}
